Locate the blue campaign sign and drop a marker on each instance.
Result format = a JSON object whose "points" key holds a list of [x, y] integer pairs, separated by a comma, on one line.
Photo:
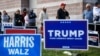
{"points": [[6, 25], [20, 45], [66, 34]]}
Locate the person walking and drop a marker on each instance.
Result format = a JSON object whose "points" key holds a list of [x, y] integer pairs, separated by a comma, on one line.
{"points": [[96, 12], [5, 17], [24, 12], [18, 19], [62, 13], [88, 13], [32, 18], [43, 15], [26, 18]]}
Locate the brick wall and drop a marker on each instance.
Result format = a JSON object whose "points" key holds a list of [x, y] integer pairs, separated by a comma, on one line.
{"points": [[75, 9], [25, 3], [7, 4], [12, 5], [72, 8], [47, 1], [52, 11]]}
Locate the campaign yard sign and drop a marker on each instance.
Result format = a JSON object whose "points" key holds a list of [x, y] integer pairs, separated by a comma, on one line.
{"points": [[20, 45], [66, 34], [93, 38], [20, 31], [6, 25]]}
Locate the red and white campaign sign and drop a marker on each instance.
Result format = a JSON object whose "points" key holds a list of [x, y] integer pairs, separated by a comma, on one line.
{"points": [[20, 31]]}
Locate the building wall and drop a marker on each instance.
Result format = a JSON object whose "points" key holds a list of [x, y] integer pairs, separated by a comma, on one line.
{"points": [[12, 5], [24, 4], [92, 2], [74, 7], [7, 4]]}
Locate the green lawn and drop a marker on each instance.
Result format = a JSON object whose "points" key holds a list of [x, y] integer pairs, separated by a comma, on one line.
{"points": [[90, 52]]}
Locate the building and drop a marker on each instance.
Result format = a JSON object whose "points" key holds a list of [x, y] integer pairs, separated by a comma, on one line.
{"points": [[75, 7]]}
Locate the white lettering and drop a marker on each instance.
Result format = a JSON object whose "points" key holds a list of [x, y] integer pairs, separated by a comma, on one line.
{"points": [[11, 41], [26, 51], [11, 51], [50, 31], [66, 33], [23, 41], [57, 33], [31, 44], [73, 33], [6, 40], [18, 51], [18, 41], [80, 33]]}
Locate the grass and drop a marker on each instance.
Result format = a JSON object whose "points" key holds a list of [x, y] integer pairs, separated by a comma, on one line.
{"points": [[90, 52], [52, 53]]}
